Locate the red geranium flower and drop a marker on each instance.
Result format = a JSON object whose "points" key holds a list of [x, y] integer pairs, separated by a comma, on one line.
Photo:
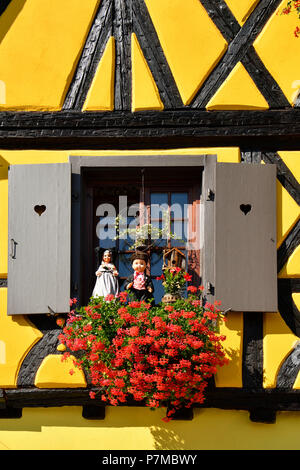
{"points": [[192, 289], [109, 297], [160, 354]]}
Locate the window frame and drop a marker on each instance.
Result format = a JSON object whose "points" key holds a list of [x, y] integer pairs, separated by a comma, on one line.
{"points": [[99, 187], [79, 163]]}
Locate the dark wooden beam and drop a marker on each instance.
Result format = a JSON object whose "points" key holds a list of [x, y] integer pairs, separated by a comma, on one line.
{"points": [[222, 398], [92, 52], [238, 46], [122, 30], [252, 369], [4, 5], [70, 129], [93, 412]]}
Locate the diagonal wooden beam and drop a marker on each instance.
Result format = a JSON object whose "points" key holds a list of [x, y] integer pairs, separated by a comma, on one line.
{"points": [[3, 5], [264, 81], [153, 53], [122, 30], [289, 182], [289, 244], [229, 27], [284, 175], [237, 48], [97, 38], [286, 305], [289, 370], [221, 15]]}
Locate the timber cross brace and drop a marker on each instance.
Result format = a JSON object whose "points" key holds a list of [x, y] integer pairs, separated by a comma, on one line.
{"points": [[121, 19]]}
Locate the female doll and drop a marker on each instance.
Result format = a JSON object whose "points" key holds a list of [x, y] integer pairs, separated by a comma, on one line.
{"points": [[107, 277]]}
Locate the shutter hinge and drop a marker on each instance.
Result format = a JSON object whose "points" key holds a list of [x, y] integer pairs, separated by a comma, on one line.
{"points": [[210, 196], [51, 312], [210, 288]]}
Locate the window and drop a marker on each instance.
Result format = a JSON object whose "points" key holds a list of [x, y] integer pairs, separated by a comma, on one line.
{"points": [[166, 199], [53, 221]]}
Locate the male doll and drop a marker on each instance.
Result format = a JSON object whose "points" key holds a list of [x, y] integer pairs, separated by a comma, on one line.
{"points": [[139, 283]]}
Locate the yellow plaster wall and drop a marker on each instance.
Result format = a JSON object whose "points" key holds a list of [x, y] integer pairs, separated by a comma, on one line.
{"points": [[292, 267], [231, 374], [57, 373], [100, 96], [142, 429], [34, 76], [145, 94], [188, 37], [288, 213], [238, 91], [278, 342], [3, 229], [40, 43], [242, 8], [279, 49], [292, 161], [17, 337]]}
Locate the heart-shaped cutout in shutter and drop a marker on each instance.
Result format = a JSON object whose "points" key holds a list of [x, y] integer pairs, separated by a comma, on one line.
{"points": [[40, 209], [245, 208]]}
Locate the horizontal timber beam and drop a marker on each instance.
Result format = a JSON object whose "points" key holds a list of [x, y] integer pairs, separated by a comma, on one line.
{"points": [[165, 129], [222, 398]]}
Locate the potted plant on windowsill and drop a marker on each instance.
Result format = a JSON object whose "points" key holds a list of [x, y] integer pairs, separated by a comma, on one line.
{"points": [[160, 355], [174, 281]]}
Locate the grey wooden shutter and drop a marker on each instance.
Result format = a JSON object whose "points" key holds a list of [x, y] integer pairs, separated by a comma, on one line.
{"points": [[244, 271], [39, 238]]}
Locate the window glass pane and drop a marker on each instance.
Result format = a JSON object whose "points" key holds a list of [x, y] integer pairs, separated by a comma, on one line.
{"points": [[106, 236], [125, 244], [107, 221], [158, 291], [125, 268], [159, 198], [160, 239], [160, 212], [106, 232], [179, 205], [126, 235], [159, 206], [156, 264], [107, 243], [178, 229]]}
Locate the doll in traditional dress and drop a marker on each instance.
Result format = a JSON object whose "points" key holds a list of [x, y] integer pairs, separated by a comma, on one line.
{"points": [[139, 284], [107, 277]]}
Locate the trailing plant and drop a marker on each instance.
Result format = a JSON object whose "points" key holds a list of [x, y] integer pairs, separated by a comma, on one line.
{"points": [[143, 233], [293, 6], [160, 355]]}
